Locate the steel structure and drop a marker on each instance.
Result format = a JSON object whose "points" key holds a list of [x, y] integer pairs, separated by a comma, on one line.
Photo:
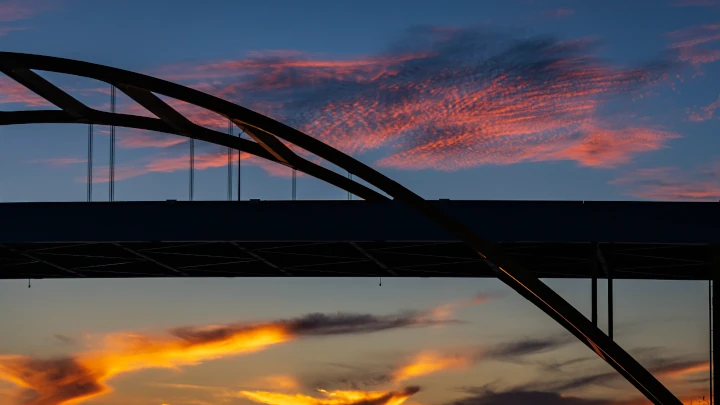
{"points": [[552, 239], [275, 141]]}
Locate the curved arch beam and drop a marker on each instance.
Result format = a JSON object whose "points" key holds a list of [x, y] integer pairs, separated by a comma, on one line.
{"points": [[270, 134], [199, 133]]}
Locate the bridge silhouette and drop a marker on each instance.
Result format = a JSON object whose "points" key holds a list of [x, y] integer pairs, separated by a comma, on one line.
{"points": [[392, 233]]}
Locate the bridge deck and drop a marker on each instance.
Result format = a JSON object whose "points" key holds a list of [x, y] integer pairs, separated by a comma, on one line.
{"points": [[638, 240]]}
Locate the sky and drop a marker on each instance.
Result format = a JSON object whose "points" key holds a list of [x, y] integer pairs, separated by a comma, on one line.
{"points": [[514, 99]]}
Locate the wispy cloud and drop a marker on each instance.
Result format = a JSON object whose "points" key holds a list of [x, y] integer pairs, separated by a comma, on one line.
{"points": [[671, 183], [18, 10], [84, 375], [15, 10], [11, 92], [677, 371], [339, 397], [695, 3], [441, 98], [706, 112], [427, 362], [446, 98], [555, 13], [132, 140], [518, 396], [697, 45], [61, 161]]}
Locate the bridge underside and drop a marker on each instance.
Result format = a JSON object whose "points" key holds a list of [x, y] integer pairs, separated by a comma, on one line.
{"points": [[627, 240], [337, 259]]}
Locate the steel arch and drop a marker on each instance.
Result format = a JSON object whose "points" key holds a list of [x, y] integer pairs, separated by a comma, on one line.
{"points": [[268, 134]]}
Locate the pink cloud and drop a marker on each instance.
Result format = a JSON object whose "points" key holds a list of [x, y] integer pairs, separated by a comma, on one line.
{"points": [[14, 10], [170, 164], [13, 92], [705, 113], [6, 30], [696, 3], [430, 109], [697, 45], [670, 183], [555, 13], [61, 161], [434, 103], [132, 140], [17, 10]]}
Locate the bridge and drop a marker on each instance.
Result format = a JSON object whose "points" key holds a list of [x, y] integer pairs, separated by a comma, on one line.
{"points": [[552, 239], [393, 232]]}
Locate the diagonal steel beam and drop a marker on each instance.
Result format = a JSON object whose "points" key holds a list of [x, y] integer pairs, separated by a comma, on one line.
{"points": [[302, 266], [195, 266], [48, 91], [271, 144], [260, 258], [149, 259], [40, 260], [373, 258], [160, 108]]}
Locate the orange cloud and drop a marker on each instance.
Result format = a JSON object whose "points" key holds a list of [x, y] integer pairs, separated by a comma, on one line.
{"points": [[445, 311], [276, 382], [333, 397], [670, 183], [75, 379], [685, 370], [430, 362]]}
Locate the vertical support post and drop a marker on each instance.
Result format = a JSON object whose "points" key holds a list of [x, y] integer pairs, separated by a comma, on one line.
{"points": [[349, 177], [90, 140], [715, 277], [229, 155], [192, 168], [239, 167], [112, 147], [294, 184], [611, 322], [594, 285]]}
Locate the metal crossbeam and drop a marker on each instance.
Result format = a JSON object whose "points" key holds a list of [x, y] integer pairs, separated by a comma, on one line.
{"points": [[48, 91], [260, 258], [149, 259], [40, 260], [373, 258]]}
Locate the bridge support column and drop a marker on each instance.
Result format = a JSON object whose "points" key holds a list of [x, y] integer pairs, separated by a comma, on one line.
{"points": [[602, 262], [611, 321], [594, 284], [714, 276]]}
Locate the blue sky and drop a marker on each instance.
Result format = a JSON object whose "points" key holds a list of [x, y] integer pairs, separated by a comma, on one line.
{"points": [[515, 99]]}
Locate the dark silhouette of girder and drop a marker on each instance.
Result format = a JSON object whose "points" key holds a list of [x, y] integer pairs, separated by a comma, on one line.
{"points": [[269, 136]]}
